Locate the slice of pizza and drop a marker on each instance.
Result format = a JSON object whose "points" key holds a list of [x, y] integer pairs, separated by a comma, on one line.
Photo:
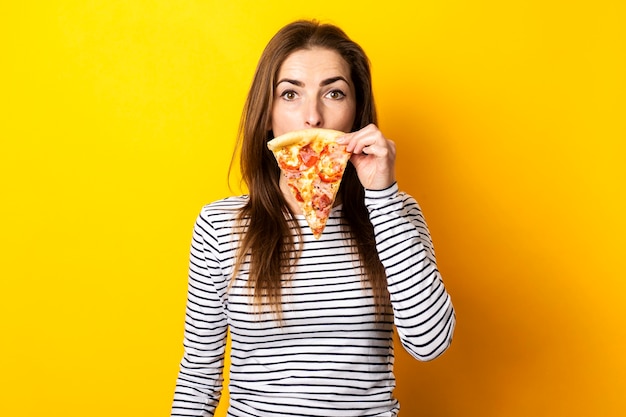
{"points": [[313, 163]]}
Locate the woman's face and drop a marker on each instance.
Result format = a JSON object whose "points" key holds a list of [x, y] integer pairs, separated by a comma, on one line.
{"points": [[313, 89]]}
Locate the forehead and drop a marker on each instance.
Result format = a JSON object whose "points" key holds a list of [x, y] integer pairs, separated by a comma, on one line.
{"points": [[315, 61]]}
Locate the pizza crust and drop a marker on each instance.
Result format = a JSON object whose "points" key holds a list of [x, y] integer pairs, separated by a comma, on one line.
{"points": [[303, 137]]}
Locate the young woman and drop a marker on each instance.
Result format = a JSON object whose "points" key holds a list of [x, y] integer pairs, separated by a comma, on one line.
{"points": [[311, 321]]}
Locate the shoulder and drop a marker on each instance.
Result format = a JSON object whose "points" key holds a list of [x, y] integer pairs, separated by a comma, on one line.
{"points": [[222, 213], [225, 206]]}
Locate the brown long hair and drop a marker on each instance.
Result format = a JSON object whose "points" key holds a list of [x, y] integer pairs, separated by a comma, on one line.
{"points": [[268, 242]]}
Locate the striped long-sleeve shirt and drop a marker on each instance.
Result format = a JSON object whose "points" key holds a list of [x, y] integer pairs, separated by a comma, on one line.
{"points": [[330, 356]]}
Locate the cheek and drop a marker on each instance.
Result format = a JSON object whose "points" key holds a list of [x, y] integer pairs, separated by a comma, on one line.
{"points": [[346, 118], [281, 121], [276, 114]]}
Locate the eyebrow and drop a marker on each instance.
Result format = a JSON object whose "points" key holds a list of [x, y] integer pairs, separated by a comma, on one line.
{"points": [[323, 83]]}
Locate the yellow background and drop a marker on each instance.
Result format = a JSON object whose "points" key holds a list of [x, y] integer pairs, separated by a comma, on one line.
{"points": [[117, 123]]}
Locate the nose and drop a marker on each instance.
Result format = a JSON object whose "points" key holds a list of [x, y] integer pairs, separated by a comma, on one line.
{"points": [[313, 116]]}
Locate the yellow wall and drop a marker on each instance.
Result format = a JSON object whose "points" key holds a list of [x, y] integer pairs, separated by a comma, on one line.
{"points": [[117, 124]]}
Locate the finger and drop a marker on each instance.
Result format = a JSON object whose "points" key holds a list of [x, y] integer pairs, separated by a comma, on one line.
{"points": [[350, 140], [345, 139], [382, 148], [375, 150], [365, 141], [357, 141]]}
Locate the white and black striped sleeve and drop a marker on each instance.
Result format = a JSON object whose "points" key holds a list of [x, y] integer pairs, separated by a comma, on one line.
{"points": [[199, 383], [423, 312]]}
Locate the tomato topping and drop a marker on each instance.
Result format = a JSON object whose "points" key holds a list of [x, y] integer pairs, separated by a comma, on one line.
{"points": [[296, 193], [287, 164], [331, 176], [308, 156], [330, 170]]}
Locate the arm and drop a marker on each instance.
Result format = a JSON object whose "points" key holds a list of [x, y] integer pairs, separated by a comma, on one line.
{"points": [[423, 312], [199, 383]]}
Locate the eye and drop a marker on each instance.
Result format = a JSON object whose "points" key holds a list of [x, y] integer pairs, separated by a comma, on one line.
{"points": [[289, 95], [336, 94]]}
